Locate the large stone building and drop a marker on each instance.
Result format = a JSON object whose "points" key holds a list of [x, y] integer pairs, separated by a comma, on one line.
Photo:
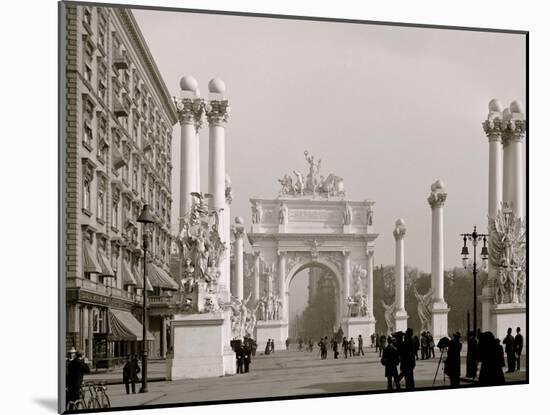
{"points": [[117, 135]]}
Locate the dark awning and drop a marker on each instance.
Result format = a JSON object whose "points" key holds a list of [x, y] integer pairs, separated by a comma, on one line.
{"points": [[127, 276], [91, 264], [159, 278], [139, 279], [124, 326], [106, 269]]}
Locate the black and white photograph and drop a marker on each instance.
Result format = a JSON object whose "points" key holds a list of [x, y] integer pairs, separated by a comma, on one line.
{"points": [[259, 207]]}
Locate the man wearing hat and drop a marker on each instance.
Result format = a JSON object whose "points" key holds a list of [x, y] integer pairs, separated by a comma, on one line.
{"points": [[452, 363], [390, 360], [76, 370], [407, 356]]}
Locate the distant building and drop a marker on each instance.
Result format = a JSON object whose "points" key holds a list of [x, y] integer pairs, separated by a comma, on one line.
{"points": [[117, 135]]}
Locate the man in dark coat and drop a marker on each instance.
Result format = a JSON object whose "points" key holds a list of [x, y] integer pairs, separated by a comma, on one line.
{"points": [[416, 346], [130, 374], [239, 354], [381, 344], [345, 347], [452, 363], [390, 360], [491, 358], [407, 357], [471, 356], [509, 348], [518, 346], [360, 351], [335, 348], [76, 369], [247, 353]]}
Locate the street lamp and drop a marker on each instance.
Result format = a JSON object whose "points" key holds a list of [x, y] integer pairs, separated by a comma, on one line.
{"points": [[475, 238], [146, 218]]}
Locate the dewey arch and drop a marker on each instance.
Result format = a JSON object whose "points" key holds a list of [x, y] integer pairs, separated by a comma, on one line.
{"points": [[311, 223]]}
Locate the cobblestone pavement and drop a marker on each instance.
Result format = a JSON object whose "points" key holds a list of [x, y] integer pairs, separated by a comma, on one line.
{"points": [[285, 373]]}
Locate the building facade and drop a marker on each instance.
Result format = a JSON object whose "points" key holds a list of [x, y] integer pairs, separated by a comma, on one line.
{"points": [[117, 137]]}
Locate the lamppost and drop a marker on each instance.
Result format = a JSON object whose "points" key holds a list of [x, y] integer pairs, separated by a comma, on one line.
{"points": [[146, 218], [475, 238]]}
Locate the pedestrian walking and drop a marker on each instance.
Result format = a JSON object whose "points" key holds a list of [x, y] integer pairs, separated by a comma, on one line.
{"points": [[416, 346], [345, 347], [405, 346], [492, 360], [335, 348], [423, 346], [509, 348], [518, 346], [390, 360], [431, 346], [452, 363], [360, 346], [382, 344], [247, 356], [130, 374], [351, 346], [287, 342], [239, 353]]}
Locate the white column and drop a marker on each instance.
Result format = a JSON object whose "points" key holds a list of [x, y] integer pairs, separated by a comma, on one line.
{"points": [[282, 290], [189, 118], [436, 201], [347, 273], [256, 287], [217, 115], [515, 148], [399, 273], [238, 233], [370, 274], [198, 163]]}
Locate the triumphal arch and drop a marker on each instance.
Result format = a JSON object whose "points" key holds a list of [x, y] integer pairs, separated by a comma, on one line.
{"points": [[311, 223]]}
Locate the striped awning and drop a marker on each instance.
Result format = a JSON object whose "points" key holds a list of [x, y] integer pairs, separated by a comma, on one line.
{"points": [[124, 326], [139, 279], [105, 264], [127, 276], [159, 277], [91, 264]]}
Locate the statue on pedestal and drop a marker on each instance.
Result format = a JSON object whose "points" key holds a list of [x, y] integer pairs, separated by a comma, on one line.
{"points": [[423, 308], [283, 214], [257, 212], [188, 276], [347, 214]]}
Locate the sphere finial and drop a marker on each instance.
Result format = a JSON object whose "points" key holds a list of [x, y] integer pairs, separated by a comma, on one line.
{"points": [[516, 107], [216, 86], [495, 105], [188, 83]]}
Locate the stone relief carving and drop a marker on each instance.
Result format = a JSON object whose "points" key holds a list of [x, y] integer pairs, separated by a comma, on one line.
{"points": [[314, 183], [283, 214], [507, 256], [348, 215], [388, 316], [257, 212]]}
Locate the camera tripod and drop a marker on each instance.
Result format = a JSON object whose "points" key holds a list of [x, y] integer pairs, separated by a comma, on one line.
{"points": [[443, 352]]}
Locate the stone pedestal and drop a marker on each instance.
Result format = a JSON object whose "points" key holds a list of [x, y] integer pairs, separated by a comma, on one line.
{"points": [[271, 329], [355, 326], [282, 228], [201, 347], [439, 326], [400, 318], [504, 316]]}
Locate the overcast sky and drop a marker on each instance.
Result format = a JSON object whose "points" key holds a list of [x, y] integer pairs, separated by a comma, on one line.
{"points": [[389, 109]]}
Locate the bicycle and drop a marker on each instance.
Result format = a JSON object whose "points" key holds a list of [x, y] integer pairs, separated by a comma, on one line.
{"points": [[93, 401], [78, 404], [101, 392]]}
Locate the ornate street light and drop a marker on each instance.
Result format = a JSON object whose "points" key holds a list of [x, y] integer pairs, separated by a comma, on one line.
{"points": [[146, 218], [475, 238]]}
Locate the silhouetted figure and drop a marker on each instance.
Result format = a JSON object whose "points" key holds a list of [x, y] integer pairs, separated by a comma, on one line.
{"points": [[360, 346], [300, 344], [423, 345], [471, 356], [323, 346], [351, 347], [76, 370], [416, 346], [431, 345], [509, 348], [382, 344], [268, 347], [345, 347], [335, 348], [390, 360], [452, 363], [518, 346], [287, 343], [130, 374], [490, 372], [239, 354], [405, 346], [247, 356], [310, 344]]}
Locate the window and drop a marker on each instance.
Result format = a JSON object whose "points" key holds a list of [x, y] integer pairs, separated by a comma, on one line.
{"points": [[88, 116], [103, 146], [144, 185], [86, 195], [102, 79], [135, 135], [88, 58], [101, 199], [87, 17], [102, 29], [135, 175], [114, 213]]}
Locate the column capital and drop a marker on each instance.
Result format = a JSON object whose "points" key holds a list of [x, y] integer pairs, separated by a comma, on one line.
{"points": [[238, 231], [400, 230], [369, 253], [493, 129], [257, 254], [438, 196], [190, 111], [346, 253], [281, 253], [217, 112], [515, 131]]}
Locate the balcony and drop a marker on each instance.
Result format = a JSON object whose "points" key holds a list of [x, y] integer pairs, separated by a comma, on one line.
{"points": [[119, 60], [97, 288]]}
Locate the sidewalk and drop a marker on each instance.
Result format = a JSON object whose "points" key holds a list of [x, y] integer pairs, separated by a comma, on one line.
{"points": [[155, 373]]}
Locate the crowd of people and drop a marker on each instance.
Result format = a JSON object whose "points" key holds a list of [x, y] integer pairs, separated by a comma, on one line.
{"points": [[244, 351]]}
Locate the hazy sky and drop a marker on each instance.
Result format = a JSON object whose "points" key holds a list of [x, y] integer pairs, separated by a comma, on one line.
{"points": [[389, 109]]}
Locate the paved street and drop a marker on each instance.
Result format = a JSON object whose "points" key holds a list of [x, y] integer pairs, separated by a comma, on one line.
{"points": [[286, 373]]}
